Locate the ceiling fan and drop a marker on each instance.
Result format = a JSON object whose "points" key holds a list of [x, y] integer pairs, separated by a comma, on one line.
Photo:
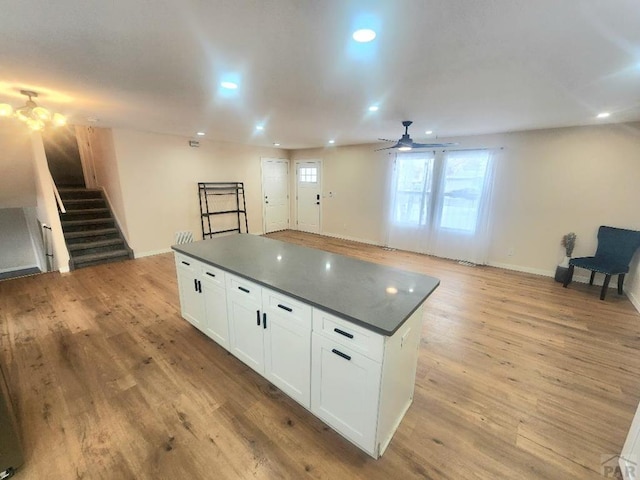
{"points": [[406, 143]]}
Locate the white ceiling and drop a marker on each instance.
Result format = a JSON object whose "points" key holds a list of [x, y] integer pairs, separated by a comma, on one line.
{"points": [[457, 67]]}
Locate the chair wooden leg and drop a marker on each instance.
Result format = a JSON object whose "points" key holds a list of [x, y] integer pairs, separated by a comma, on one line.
{"points": [[605, 285], [569, 276], [620, 282], [593, 275]]}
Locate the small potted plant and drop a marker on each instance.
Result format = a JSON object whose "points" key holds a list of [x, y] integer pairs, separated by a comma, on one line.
{"points": [[568, 242]]}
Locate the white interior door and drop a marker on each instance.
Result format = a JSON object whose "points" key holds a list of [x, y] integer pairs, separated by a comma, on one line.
{"points": [[275, 194], [308, 195]]}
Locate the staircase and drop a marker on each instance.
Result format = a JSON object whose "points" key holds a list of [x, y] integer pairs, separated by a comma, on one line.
{"points": [[90, 231]]}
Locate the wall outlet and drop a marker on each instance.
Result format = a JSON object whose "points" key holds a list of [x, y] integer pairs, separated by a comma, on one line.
{"points": [[511, 252]]}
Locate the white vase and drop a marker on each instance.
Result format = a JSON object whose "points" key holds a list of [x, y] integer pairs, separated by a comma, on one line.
{"points": [[565, 262]]}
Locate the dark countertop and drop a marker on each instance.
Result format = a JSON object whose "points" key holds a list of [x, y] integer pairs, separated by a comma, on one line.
{"points": [[374, 296]]}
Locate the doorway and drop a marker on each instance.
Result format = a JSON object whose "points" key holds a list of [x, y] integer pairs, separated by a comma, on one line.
{"points": [[275, 194], [308, 195], [63, 157]]}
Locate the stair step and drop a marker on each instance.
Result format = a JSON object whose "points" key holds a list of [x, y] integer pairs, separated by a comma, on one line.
{"points": [[80, 201], [95, 244], [90, 233], [89, 221], [87, 211], [100, 256]]}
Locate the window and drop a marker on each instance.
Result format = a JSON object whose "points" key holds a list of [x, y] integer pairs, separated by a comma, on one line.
{"points": [[463, 183], [440, 203], [308, 174], [413, 188]]}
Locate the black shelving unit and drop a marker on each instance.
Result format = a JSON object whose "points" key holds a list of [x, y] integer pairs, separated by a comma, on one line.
{"points": [[222, 204]]}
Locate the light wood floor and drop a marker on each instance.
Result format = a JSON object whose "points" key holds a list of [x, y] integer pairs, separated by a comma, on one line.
{"points": [[517, 378]]}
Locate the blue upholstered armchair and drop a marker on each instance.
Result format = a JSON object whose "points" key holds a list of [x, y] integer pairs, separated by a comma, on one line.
{"points": [[616, 247]]}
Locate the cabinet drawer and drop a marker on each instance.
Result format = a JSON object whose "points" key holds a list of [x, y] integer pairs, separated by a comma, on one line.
{"points": [[185, 263], [286, 308], [360, 339], [244, 288], [213, 275]]}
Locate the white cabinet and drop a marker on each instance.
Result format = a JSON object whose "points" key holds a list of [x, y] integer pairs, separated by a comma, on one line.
{"points": [[271, 333], [357, 381], [362, 382], [287, 343], [345, 390], [203, 298], [191, 301], [244, 302]]}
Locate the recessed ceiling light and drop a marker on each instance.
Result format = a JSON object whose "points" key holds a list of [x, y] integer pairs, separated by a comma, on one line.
{"points": [[364, 35], [276, 144], [260, 127], [373, 108], [332, 142], [603, 115], [200, 134], [428, 132], [229, 85]]}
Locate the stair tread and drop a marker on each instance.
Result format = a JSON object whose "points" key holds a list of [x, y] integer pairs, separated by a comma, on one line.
{"points": [[86, 210], [83, 200], [91, 233], [100, 256], [88, 221], [94, 244]]}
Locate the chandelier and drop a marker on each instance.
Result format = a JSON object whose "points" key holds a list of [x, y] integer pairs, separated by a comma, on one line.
{"points": [[34, 116]]}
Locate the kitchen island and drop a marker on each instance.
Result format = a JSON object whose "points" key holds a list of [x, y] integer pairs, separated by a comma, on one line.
{"points": [[338, 335]]}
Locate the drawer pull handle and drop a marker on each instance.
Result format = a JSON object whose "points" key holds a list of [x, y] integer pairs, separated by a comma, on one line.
{"points": [[264, 320], [186, 263], [211, 274], [340, 354], [258, 317], [342, 332], [244, 290], [195, 284], [284, 307]]}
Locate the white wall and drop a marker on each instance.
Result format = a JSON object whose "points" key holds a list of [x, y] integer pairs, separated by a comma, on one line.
{"points": [[100, 154], [17, 185], [357, 177], [159, 176], [46, 206], [16, 249]]}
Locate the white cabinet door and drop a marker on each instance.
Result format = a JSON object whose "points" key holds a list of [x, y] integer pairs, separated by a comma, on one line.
{"points": [[288, 345], [191, 301], [244, 305], [216, 324], [345, 391]]}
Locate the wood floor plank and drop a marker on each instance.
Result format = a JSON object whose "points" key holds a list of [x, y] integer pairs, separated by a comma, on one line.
{"points": [[517, 378]]}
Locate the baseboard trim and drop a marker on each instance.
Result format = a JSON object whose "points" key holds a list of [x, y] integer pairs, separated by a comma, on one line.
{"points": [[150, 253], [634, 300], [352, 239], [19, 267]]}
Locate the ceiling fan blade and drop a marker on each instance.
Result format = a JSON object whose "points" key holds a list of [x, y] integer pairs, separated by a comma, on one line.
{"points": [[386, 140], [388, 148], [432, 145]]}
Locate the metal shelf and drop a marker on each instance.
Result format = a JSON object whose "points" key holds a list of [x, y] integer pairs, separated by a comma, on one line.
{"points": [[207, 191]]}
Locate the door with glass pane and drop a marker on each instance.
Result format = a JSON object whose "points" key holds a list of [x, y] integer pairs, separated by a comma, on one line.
{"points": [[308, 195]]}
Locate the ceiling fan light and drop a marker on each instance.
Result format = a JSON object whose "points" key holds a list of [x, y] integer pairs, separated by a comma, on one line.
{"points": [[35, 124], [23, 114], [58, 120], [6, 110], [42, 113], [404, 148]]}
